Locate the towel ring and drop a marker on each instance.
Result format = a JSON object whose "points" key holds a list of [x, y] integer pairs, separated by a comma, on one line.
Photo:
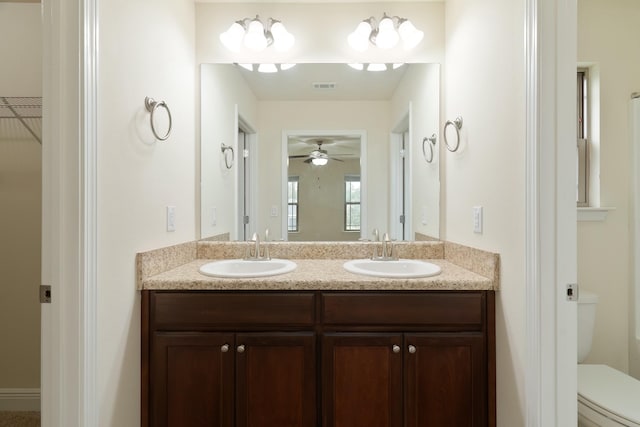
{"points": [[152, 106], [457, 124], [225, 149], [432, 144]]}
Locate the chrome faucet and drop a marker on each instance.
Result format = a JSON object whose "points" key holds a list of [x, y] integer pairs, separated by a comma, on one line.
{"points": [[256, 256], [388, 250]]}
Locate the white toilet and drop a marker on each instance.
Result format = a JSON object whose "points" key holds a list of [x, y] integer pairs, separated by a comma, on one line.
{"points": [[606, 397]]}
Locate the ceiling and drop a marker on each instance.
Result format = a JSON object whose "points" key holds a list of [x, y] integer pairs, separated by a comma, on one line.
{"points": [[297, 83]]}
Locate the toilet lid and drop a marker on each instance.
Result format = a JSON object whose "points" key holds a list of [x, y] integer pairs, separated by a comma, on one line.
{"points": [[611, 391]]}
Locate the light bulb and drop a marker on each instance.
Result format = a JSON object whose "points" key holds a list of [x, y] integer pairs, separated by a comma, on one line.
{"points": [[232, 38], [282, 39], [398, 65], [387, 36], [285, 67], [359, 39], [320, 161], [254, 38], [409, 34], [248, 67], [358, 67]]}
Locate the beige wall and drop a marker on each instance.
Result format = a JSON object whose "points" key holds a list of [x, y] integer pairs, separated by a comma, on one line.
{"points": [[484, 83], [146, 48], [20, 196], [321, 192], [608, 33]]}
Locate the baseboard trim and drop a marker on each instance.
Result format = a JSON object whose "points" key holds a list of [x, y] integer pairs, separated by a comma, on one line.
{"points": [[19, 399]]}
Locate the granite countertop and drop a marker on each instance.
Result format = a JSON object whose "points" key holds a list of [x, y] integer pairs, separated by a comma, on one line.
{"points": [[316, 274]]}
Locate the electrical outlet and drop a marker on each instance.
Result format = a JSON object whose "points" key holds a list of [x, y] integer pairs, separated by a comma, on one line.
{"points": [[477, 219], [171, 218], [274, 211], [214, 216]]}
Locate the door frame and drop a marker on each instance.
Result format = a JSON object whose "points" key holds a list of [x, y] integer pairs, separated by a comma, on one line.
{"points": [[364, 187], [252, 141], [403, 126], [69, 324]]}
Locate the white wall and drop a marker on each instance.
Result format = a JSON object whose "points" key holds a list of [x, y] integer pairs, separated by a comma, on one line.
{"points": [[484, 83], [227, 92], [21, 213], [607, 36], [146, 48], [420, 87]]}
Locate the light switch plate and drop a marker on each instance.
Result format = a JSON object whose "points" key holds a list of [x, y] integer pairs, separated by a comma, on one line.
{"points": [[477, 219], [171, 218]]}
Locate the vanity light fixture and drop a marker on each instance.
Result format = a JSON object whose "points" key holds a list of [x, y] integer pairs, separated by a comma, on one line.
{"points": [[256, 35], [385, 34]]}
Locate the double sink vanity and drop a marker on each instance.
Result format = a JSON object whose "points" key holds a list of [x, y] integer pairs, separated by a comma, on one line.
{"points": [[318, 336]]}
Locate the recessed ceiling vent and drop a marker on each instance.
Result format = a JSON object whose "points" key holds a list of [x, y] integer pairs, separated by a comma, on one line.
{"points": [[324, 85]]}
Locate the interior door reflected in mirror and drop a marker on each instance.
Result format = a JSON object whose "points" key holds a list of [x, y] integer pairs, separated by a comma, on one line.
{"points": [[330, 152]]}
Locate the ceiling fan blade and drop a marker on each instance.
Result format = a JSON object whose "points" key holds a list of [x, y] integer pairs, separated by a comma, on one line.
{"points": [[300, 156], [336, 159], [308, 160]]}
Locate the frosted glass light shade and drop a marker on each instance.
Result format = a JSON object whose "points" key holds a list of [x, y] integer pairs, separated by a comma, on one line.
{"points": [[409, 34], [232, 38], [282, 39], [377, 67], [285, 67], [359, 39], [254, 39], [387, 35], [267, 68], [320, 161]]}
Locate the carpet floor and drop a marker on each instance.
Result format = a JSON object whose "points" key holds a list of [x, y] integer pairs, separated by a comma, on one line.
{"points": [[19, 419]]}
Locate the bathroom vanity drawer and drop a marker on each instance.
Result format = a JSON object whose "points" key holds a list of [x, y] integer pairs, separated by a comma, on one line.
{"points": [[215, 310], [455, 310]]}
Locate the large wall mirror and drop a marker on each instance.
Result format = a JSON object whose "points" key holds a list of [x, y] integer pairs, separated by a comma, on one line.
{"points": [[320, 152]]}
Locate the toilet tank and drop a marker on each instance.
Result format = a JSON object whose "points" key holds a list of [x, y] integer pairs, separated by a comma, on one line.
{"points": [[587, 302]]}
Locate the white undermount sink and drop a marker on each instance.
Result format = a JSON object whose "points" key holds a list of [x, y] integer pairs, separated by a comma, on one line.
{"points": [[241, 268], [398, 269]]}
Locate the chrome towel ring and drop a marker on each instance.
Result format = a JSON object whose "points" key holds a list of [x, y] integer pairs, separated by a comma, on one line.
{"points": [[457, 124], [431, 146], [226, 149], [152, 106]]}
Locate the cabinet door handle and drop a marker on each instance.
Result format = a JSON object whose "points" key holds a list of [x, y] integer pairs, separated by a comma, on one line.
{"points": [[240, 349], [412, 349], [396, 348], [224, 348]]}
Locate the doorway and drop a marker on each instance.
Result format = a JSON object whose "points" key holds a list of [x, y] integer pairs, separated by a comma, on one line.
{"points": [[400, 173], [247, 144]]}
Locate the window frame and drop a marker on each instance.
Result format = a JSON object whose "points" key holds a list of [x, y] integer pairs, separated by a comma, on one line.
{"points": [[295, 204], [347, 203], [582, 134]]}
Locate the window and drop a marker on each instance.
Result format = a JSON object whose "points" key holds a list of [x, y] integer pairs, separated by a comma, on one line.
{"points": [[582, 148], [352, 203], [292, 200]]}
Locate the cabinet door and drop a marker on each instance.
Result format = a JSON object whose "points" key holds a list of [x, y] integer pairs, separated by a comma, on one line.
{"points": [[275, 380], [362, 380], [445, 380], [192, 380]]}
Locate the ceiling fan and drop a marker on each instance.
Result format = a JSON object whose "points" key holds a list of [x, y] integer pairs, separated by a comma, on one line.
{"points": [[318, 157]]}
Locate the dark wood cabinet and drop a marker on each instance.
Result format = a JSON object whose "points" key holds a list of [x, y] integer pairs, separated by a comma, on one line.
{"points": [[318, 359]]}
